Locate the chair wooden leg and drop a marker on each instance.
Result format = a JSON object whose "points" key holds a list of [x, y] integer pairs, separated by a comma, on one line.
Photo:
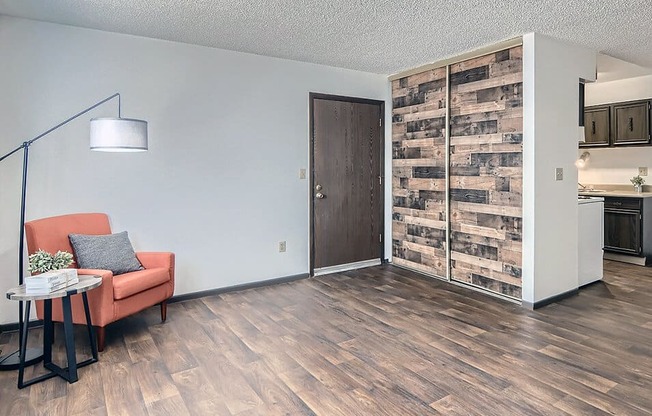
{"points": [[164, 310], [100, 331]]}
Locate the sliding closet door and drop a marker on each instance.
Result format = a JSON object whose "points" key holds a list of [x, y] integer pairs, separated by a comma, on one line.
{"points": [[486, 171], [419, 172]]}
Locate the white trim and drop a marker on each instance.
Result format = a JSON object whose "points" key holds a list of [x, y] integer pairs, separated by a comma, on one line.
{"points": [[344, 267]]}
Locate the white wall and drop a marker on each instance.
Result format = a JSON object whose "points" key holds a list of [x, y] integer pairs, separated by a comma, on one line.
{"points": [[228, 134], [552, 71], [616, 166]]}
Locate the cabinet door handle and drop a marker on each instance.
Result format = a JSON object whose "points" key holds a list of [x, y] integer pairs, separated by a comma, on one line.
{"points": [[593, 127], [631, 124]]}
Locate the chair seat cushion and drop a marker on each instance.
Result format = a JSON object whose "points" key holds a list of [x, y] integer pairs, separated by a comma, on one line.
{"points": [[129, 284]]}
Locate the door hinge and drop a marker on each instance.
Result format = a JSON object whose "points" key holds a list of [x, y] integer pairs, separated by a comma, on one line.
{"points": [[380, 122], [380, 238], [380, 179]]}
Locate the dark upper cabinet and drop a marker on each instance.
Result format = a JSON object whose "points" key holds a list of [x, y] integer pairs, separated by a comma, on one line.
{"points": [[618, 124], [596, 127], [631, 123]]}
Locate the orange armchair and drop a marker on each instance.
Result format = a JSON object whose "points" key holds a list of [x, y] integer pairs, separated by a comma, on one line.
{"points": [[118, 296]]}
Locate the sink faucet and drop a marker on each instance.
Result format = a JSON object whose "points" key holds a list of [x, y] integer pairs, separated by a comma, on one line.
{"points": [[581, 186]]}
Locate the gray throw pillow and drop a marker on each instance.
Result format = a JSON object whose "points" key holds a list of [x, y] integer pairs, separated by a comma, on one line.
{"points": [[106, 252]]}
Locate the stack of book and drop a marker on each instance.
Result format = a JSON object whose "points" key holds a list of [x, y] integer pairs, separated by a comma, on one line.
{"points": [[51, 281]]}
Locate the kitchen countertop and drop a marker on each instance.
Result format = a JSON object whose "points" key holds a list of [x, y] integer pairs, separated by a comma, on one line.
{"points": [[622, 194], [622, 191]]}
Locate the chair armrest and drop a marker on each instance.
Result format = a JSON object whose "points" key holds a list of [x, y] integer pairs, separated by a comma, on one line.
{"points": [[150, 260], [101, 299], [106, 275]]}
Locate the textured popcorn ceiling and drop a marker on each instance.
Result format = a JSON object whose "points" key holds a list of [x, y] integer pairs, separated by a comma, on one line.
{"points": [[380, 36]]}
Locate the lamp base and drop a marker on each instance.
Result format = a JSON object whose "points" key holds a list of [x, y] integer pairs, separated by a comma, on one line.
{"points": [[12, 361]]}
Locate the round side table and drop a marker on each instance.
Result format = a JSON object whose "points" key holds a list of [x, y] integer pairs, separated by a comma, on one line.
{"points": [[69, 373]]}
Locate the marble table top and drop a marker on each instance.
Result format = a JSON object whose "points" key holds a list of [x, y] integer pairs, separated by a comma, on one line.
{"points": [[86, 283]]}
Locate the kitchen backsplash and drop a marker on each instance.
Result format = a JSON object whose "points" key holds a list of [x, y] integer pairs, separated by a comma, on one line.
{"points": [[615, 165]]}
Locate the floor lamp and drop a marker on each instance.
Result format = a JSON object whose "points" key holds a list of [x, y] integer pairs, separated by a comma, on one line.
{"points": [[107, 134]]}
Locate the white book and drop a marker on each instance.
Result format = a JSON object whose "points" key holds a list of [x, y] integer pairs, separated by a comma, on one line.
{"points": [[51, 283], [51, 278], [30, 290], [63, 283], [46, 277]]}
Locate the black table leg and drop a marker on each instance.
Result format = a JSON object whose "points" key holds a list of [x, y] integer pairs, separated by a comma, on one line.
{"points": [[70, 339], [48, 331], [89, 325], [23, 345]]}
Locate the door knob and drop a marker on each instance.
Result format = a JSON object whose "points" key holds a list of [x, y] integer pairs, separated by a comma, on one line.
{"points": [[318, 188], [319, 195]]}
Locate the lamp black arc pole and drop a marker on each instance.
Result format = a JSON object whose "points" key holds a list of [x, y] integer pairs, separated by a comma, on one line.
{"points": [[33, 355]]}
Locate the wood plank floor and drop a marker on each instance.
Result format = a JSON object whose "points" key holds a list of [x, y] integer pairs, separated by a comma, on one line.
{"points": [[379, 341]]}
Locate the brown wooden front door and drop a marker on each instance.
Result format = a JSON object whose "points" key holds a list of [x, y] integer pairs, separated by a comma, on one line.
{"points": [[347, 196]]}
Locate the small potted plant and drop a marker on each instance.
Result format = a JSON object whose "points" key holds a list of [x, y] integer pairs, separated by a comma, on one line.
{"points": [[42, 261], [638, 182]]}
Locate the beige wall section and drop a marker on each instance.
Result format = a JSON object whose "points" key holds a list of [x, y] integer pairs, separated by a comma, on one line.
{"points": [[551, 72]]}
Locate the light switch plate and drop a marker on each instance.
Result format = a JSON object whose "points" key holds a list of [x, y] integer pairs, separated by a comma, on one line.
{"points": [[302, 173], [642, 171], [559, 174]]}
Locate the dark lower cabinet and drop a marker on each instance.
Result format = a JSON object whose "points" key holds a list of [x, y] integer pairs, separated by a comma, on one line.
{"points": [[622, 231], [625, 228]]}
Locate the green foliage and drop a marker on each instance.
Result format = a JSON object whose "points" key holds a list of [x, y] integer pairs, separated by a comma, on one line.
{"points": [[42, 261], [637, 180]]}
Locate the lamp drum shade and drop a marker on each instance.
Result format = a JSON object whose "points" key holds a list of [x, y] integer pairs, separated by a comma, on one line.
{"points": [[118, 135]]}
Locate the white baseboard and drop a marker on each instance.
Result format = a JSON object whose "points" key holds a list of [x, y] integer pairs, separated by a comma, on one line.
{"points": [[344, 267]]}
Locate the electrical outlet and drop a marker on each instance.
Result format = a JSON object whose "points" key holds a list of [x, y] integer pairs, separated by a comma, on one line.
{"points": [[282, 246], [302, 174], [642, 171], [559, 174]]}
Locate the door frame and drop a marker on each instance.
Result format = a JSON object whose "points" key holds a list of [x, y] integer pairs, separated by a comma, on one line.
{"points": [[320, 96]]}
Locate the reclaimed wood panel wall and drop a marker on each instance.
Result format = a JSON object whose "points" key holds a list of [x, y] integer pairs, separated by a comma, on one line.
{"points": [[484, 171], [419, 172]]}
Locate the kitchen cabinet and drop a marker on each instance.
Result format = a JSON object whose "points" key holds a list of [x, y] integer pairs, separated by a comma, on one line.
{"points": [[617, 124], [597, 126], [631, 123], [622, 225], [628, 226]]}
